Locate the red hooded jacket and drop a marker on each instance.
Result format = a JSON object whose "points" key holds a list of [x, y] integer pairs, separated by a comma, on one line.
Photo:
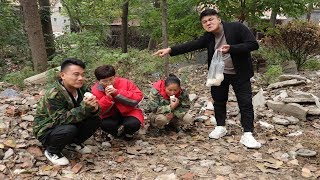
{"points": [[125, 100]]}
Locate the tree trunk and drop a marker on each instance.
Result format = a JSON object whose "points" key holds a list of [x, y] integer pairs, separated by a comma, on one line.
{"points": [[310, 8], [165, 35], [273, 17], [35, 35], [124, 30], [47, 27]]}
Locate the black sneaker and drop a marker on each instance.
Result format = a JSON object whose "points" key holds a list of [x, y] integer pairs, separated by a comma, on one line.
{"points": [[56, 159]]}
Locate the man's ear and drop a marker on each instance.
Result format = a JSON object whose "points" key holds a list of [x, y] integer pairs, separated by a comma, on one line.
{"points": [[61, 74]]}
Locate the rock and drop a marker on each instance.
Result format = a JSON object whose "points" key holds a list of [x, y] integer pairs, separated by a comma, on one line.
{"points": [[289, 67], [106, 144], [281, 84], [222, 170], [283, 94], [8, 154], [258, 99], [8, 93], [207, 163], [297, 133], [265, 125], [298, 100], [285, 77], [3, 127], [201, 118], [208, 112], [171, 176], [280, 121], [291, 109], [292, 120], [27, 118], [313, 111], [2, 167], [306, 153], [306, 173], [40, 78], [213, 120], [209, 106], [193, 97]]}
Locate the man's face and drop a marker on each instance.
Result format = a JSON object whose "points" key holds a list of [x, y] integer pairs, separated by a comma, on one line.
{"points": [[73, 76], [211, 23]]}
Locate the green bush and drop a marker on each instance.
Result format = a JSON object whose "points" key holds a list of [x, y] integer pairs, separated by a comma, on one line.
{"points": [[297, 40], [272, 74], [312, 64], [17, 78]]}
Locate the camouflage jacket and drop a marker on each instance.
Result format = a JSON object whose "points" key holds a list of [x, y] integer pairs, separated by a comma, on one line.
{"points": [[56, 108], [158, 104]]}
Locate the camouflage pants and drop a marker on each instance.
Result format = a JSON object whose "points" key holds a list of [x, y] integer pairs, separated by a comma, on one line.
{"points": [[160, 120]]}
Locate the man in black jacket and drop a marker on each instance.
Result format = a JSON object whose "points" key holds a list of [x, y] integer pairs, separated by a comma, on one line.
{"points": [[235, 39]]}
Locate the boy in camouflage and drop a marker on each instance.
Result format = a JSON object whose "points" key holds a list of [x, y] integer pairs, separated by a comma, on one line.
{"points": [[169, 105], [64, 116]]}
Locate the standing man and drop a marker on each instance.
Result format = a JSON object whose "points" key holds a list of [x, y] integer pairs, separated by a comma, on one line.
{"points": [[235, 39], [65, 117]]}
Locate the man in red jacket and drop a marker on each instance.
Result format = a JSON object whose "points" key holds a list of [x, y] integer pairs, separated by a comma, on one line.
{"points": [[118, 99]]}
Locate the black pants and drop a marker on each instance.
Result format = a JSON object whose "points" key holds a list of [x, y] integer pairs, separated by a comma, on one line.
{"points": [[112, 124], [55, 139], [243, 93]]}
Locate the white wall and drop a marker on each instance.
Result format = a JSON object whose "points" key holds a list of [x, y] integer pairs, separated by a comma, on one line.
{"points": [[60, 23]]}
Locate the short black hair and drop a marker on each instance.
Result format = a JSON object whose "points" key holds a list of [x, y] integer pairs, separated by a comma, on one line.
{"points": [[208, 12], [172, 79], [71, 61], [104, 71]]}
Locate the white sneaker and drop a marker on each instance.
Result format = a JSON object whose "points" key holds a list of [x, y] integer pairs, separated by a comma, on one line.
{"points": [[218, 132], [80, 148], [56, 159], [248, 140]]}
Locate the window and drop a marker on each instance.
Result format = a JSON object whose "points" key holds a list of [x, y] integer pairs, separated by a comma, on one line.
{"points": [[64, 21], [59, 9], [55, 19]]}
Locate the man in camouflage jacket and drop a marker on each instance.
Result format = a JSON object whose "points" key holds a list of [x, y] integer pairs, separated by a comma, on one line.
{"points": [[64, 115]]}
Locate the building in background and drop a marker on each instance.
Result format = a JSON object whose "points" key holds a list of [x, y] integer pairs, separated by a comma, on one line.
{"points": [[60, 22]]}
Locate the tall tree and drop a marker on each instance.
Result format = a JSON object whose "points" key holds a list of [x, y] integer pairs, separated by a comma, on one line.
{"points": [[45, 15], [165, 35], [124, 23], [35, 35]]}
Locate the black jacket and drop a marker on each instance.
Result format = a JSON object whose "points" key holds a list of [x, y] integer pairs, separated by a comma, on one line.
{"points": [[241, 42]]}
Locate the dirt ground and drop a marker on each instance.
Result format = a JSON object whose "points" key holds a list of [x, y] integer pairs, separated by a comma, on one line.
{"points": [[171, 155]]}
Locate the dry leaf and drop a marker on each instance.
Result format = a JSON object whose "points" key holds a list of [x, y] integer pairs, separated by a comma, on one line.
{"points": [[294, 162], [261, 167], [120, 159], [187, 176], [34, 150], [76, 168]]}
